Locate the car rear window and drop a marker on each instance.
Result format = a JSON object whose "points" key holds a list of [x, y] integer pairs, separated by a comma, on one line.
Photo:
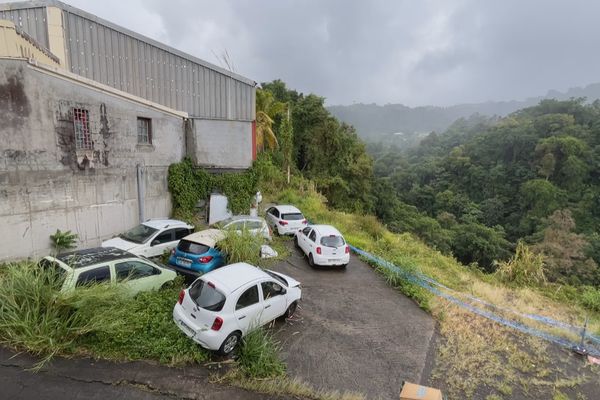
{"points": [[292, 216], [193, 248], [206, 296], [332, 241]]}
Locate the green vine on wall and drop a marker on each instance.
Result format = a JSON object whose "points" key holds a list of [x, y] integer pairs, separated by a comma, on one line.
{"points": [[188, 184]]}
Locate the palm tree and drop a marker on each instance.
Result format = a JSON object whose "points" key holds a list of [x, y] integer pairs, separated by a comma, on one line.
{"points": [[266, 109]]}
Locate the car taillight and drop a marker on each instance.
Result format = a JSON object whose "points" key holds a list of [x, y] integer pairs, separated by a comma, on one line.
{"points": [[305, 221], [205, 259], [347, 249], [283, 223], [318, 250], [181, 296], [217, 324]]}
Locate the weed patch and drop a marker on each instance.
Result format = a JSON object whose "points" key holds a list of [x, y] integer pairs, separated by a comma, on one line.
{"points": [[259, 355]]}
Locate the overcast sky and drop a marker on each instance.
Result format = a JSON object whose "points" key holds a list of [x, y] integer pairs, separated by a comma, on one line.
{"points": [[414, 52]]}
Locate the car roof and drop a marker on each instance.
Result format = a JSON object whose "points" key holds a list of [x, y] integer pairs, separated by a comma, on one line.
{"points": [[285, 209], [245, 217], [162, 223], [326, 230], [85, 258], [208, 237], [231, 277]]}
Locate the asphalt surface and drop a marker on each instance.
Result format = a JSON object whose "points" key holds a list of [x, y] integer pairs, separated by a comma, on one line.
{"points": [[353, 332], [89, 379]]}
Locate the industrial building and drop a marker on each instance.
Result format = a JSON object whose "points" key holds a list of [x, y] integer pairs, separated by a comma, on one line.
{"points": [[92, 115]]}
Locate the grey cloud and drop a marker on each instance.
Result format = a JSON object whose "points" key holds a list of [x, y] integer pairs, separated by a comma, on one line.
{"points": [[413, 52]]}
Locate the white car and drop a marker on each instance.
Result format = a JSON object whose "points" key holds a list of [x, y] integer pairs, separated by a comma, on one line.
{"points": [[222, 306], [255, 225], [285, 220], [323, 245], [151, 238]]}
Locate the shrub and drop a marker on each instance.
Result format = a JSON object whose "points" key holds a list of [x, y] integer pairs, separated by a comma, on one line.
{"points": [[63, 240], [259, 355], [590, 299], [36, 317], [526, 268]]}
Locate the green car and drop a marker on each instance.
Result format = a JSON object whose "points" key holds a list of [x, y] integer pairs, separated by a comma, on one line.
{"points": [[110, 265]]}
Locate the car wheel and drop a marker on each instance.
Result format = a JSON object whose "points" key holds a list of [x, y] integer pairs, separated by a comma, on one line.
{"points": [[289, 313], [311, 260], [229, 344], [296, 242], [344, 266], [167, 285]]}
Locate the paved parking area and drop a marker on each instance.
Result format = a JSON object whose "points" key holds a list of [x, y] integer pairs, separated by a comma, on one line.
{"points": [[353, 331]]}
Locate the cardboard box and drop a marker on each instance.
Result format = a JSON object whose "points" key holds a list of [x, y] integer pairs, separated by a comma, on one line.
{"points": [[411, 391]]}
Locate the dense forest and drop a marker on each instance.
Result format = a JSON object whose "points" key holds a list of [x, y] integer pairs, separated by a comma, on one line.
{"points": [[474, 191], [484, 185]]}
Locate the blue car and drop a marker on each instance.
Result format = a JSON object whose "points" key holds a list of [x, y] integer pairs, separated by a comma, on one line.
{"points": [[196, 253]]}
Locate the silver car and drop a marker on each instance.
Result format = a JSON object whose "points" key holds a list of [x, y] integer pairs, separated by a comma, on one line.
{"points": [[255, 225]]}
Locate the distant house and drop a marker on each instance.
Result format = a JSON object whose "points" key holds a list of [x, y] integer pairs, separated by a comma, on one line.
{"points": [[92, 115]]}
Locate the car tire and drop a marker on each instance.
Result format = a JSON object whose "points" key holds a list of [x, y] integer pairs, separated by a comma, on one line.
{"points": [[167, 285], [291, 310], [230, 343], [311, 260], [296, 242], [344, 266]]}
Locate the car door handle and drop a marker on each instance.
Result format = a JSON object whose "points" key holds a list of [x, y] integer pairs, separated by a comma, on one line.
{"points": [[267, 306], [242, 317]]}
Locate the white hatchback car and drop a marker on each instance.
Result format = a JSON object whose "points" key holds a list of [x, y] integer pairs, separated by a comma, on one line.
{"points": [[323, 245], [151, 238], [285, 220], [222, 306]]}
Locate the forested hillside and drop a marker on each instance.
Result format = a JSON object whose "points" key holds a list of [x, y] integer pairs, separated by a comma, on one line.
{"points": [[380, 122], [482, 186]]}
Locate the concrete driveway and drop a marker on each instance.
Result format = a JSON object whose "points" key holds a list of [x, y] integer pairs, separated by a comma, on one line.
{"points": [[353, 331]]}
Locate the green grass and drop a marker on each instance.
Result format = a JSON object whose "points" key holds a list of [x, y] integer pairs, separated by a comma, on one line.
{"points": [[36, 317], [145, 331], [241, 247], [258, 356]]}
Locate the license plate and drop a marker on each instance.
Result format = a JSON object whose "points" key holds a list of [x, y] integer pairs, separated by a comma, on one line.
{"points": [[333, 260], [184, 262], [189, 331]]}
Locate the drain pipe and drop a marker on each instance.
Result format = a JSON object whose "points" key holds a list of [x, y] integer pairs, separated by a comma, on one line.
{"points": [[140, 191]]}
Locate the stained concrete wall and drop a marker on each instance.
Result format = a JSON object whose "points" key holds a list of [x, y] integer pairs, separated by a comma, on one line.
{"points": [[46, 184], [220, 144]]}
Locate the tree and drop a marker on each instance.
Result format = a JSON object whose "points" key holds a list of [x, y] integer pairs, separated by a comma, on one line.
{"points": [[266, 109]]}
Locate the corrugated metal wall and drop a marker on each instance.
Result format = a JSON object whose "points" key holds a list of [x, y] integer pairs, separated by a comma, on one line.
{"points": [[31, 20], [115, 59]]}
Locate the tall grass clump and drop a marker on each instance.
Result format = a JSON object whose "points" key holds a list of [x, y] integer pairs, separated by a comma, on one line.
{"points": [[258, 355], [241, 247], [36, 317], [526, 268], [145, 331]]}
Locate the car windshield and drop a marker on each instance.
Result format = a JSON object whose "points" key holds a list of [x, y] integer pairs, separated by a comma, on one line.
{"points": [[139, 234], [192, 248], [277, 277], [206, 296], [292, 216], [56, 274], [332, 241], [221, 224]]}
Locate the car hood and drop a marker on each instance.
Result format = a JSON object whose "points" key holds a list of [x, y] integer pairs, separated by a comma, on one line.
{"points": [[291, 281], [119, 244]]}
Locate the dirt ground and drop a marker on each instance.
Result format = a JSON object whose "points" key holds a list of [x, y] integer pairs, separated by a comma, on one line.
{"points": [[353, 331]]}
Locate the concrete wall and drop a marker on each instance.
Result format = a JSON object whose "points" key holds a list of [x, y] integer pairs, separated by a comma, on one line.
{"points": [[220, 144], [45, 183]]}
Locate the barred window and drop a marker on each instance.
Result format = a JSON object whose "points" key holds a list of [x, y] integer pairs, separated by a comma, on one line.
{"points": [[144, 130], [81, 123]]}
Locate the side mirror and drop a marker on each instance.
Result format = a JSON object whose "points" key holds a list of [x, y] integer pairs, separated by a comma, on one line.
{"points": [[154, 243], [283, 291]]}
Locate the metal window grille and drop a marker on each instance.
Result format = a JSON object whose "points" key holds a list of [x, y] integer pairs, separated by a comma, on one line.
{"points": [[81, 122], [144, 131]]}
